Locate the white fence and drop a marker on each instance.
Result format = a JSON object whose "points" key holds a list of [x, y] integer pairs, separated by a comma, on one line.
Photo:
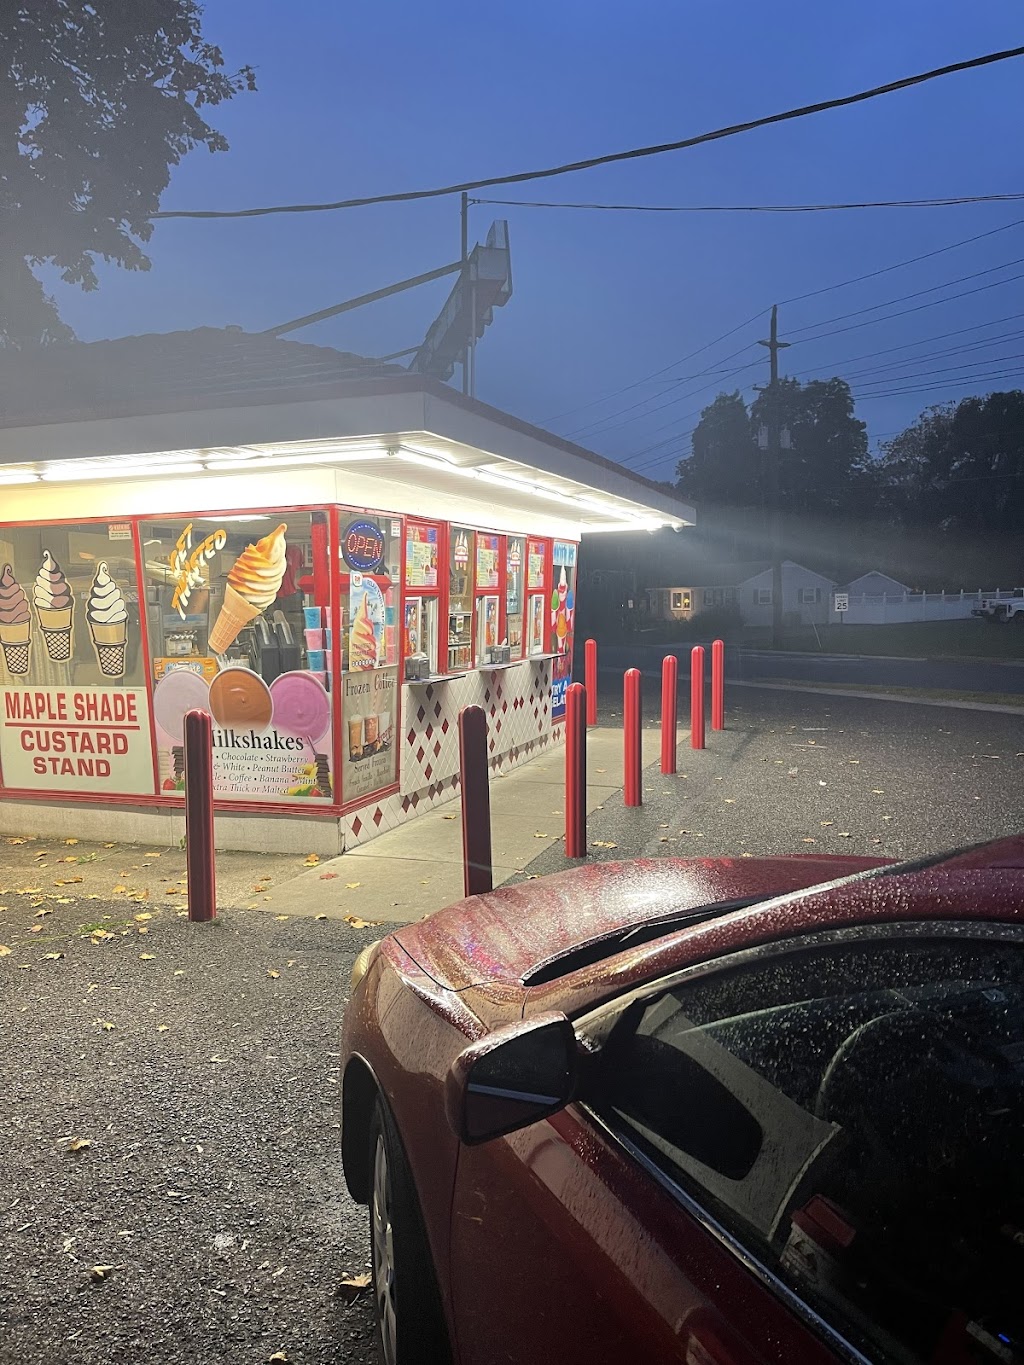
{"points": [[876, 609]]}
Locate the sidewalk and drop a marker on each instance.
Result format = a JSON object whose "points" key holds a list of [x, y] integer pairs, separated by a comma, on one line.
{"points": [[417, 869]]}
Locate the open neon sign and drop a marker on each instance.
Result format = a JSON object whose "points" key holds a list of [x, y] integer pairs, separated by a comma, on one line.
{"points": [[362, 546]]}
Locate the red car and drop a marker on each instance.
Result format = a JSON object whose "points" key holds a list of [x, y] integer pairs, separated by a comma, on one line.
{"points": [[721, 1112]]}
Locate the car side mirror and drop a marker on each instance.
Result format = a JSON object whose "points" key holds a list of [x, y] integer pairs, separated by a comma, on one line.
{"points": [[515, 1076]]}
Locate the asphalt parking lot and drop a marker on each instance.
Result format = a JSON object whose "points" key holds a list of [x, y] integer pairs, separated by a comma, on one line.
{"points": [[170, 1118]]}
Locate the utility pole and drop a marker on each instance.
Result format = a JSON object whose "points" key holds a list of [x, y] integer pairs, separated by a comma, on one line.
{"points": [[774, 346]]}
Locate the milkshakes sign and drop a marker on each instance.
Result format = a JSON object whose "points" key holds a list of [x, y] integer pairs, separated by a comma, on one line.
{"points": [[91, 739]]}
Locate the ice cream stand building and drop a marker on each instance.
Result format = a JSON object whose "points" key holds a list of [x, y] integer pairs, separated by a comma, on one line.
{"points": [[330, 556]]}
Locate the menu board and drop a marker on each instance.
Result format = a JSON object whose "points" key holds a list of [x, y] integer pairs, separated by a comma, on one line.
{"points": [[514, 594], [535, 563], [420, 556], [486, 561], [369, 748]]}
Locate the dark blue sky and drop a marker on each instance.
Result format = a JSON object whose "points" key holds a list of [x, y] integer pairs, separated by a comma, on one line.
{"points": [[361, 99]]}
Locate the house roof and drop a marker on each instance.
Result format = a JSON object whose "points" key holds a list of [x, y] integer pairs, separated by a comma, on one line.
{"points": [[162, 371]]}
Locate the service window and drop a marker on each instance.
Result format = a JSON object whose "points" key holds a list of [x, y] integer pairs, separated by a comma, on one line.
{"points": [[72, 661], [538, 554], [237, 627], [422, 599], [514, 599], [488, 597], [854, 1117], [461, 565], [370, 577]]}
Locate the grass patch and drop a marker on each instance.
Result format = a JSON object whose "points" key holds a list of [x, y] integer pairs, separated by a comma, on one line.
{"points": [[970, 639]]}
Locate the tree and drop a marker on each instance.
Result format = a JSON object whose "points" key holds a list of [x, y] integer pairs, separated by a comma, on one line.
{"points": [[99, 100], [960, 467], [823, 471]]}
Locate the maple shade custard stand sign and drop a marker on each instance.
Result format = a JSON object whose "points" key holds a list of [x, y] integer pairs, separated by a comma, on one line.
{"points": [[91, 739]]}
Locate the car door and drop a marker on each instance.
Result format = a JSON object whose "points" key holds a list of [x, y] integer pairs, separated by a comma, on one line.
{"points": [[807, 1152]]}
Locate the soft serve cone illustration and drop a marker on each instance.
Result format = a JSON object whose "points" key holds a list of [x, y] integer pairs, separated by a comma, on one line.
{"points": [[15, 623], [363, 642], [107, 615], [253, 584], [55, 606]]}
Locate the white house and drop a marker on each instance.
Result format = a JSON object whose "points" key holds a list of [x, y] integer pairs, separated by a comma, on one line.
{"points": [[806, 596], [874, 583]]}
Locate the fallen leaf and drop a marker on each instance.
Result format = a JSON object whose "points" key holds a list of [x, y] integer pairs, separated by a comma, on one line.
{"points": [[71, 842], [36, 929], [312, 860], [877, 791], [539, 836], [52, 957], [324, 877], [843, 834], [180, 972], [79, 1144], [447, 817], [603, 843], [146, 957], [104, 1024], [100, 1272], [118, 889], [43, 911], [350, 1289], [212, 1059], [808, 841], [152, 855], [4, 950], [278, 1358], [358, 923], [319, 916], [162, 1028], [68, 881], [142, 929], [281, 918], [273, 975], [141, 919], [17, 841]]}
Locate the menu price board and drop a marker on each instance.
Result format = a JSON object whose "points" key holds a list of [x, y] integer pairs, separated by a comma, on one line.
{"points": [[486, 561], [420, 556], [535, 556], [88, 739]]}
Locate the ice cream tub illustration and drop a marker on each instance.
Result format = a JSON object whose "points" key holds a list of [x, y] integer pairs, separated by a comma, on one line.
{"points": [[253, 585], [15, 623], [107, 616], [55, 607]]}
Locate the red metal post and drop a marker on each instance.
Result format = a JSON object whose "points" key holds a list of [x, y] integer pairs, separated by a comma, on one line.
{"points": [[478, 875], [576, 701], [590, 678], [632, 713], [718, 685], [199, 853], [669, 686], [697, 697]]}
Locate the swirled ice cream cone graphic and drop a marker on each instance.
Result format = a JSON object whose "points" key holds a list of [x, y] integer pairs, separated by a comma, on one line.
{"points": [[363, 643], [253, 584], [107, 615], [15, 623], [55, 607]]}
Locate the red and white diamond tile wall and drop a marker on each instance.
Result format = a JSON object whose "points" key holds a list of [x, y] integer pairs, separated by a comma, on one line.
{"points": [[517, 702]]}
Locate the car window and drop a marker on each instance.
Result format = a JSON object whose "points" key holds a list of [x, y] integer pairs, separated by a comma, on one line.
{"points": [[855, 1117]]}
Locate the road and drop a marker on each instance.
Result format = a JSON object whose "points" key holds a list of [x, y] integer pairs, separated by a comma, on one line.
{"points": [[851, 670]]}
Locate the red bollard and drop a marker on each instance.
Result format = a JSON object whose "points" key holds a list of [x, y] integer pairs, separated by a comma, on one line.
{"points": [[718, 685], [669, 687], [199, 853], [697, 697], [478, 875], [590, 678], [576, 701], [632, 714]]}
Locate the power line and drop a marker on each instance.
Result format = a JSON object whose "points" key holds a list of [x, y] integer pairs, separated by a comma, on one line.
{"points": [[759, 208], [903, 298], [841, 284], [658, 373], [899, 265], [892, 367], [930, 388], [888, 317], [907, 345], [633, 154]]}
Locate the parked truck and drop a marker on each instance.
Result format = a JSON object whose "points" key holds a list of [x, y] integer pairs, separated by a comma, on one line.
{"points": [[998, 610]]}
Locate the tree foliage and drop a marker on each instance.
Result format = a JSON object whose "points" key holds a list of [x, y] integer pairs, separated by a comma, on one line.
{"points": [[960, 467], [99, 101], [824, 466]]}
